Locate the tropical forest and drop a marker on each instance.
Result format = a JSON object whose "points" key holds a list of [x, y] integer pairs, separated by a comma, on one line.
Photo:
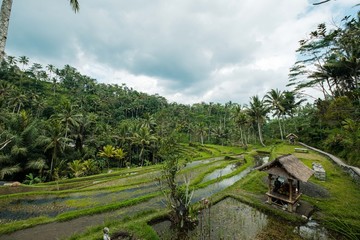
{"points": [[80, 159]]}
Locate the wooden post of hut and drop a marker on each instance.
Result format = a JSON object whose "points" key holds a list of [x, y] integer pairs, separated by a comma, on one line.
{"points": [[269, 181], [290, 168]]}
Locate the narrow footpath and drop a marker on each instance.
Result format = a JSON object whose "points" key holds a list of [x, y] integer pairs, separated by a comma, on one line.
{"points": [[353, 171]]}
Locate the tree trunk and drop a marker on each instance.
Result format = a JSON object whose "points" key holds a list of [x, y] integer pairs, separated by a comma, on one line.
{"points": [[260, 135], [241, 136], [281, 132], [4, 25]]}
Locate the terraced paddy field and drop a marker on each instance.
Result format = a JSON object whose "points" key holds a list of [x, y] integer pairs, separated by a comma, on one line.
{"points": [[130, 202]]}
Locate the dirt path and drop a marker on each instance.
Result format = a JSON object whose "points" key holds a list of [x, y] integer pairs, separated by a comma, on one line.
{"points": [[353, 171]]}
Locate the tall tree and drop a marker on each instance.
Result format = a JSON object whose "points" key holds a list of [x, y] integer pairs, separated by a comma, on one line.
{"points": [[53, 142], [5, 13], [274, 99], [330, 60], [257, 111], [4, 24]]}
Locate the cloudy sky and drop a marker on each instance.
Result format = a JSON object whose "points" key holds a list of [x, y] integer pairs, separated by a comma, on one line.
{"points": [[185, 50]]}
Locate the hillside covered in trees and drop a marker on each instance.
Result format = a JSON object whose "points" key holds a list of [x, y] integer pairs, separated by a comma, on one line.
{"points": [[59, 123]]}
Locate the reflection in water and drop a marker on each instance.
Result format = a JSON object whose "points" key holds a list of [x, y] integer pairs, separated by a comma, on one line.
{"points": [[261, 159], [219, 173], [52, 205], [312, 230], [228, 219], [217, 187], [198, 162]]}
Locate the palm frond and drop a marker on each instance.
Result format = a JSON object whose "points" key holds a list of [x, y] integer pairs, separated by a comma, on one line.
{"points": [[37, 164], [9, 170], [75, 5]]}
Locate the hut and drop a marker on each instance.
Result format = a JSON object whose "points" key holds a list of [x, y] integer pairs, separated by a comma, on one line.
{"points": [[285, 174], [291, 137]]}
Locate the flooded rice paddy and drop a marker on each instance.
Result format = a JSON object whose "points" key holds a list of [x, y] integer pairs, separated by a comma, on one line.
{"points": [[228, 219], [231, 219]]}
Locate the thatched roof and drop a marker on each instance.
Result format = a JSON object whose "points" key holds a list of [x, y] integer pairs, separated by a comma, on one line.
{"points": [[288, 166], [291, 134]]}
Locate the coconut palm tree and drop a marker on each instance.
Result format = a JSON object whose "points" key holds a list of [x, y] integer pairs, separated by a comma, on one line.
{"points": [[240, 119], [257, 111], [5, 13], [274, 100], [143, 138], [69, 117], [53, 141], [24, 61]]}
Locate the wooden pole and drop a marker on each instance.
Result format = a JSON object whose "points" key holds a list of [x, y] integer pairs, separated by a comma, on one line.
{"points": [[290, 189], [290, 195], [298, 186], [269, 179]]}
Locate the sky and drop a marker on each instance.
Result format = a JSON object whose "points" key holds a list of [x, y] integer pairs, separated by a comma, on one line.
{"points": [[188, 51]]}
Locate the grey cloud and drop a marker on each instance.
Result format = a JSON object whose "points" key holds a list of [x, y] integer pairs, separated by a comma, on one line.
{"points": [[180, 43]]}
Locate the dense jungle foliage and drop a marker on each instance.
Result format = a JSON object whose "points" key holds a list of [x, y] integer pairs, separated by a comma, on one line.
{"points": [[56, 122]]}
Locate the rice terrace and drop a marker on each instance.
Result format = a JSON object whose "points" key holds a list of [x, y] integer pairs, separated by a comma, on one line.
{"points": [[130, 202], [181, 120]]}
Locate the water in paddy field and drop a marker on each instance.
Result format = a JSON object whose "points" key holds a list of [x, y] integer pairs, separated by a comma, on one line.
{"points": [[199, 162], [228, 219], [261, 159], [220, 172], [231, 219], [312, 230], [218, 186]]}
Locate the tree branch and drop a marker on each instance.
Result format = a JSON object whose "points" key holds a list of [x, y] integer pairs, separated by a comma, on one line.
{"points": [[5, 143]]}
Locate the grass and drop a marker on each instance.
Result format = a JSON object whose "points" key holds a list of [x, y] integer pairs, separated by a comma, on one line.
{"points": [[340, 212], [17, 225], [112, 182], [136, 226]]}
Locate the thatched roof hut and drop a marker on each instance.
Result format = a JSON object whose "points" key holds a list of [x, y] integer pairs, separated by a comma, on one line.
{"points": [[290, 168], [291, 135]]}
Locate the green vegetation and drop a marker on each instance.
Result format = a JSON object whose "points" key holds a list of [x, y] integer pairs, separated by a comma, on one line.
{"points": [[338, 212], [65, 135]]}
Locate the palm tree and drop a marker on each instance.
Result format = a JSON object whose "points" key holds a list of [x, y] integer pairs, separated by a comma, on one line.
{"points": [[274, 100], [143, 138], [17, 101], [108, 153], [5, 13], [24, 61], [201, 130], [240, 118], [76, 168], [257, 111], [90, 167], [53, 141], [119, 155], [38, 164], [68, 117]]}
